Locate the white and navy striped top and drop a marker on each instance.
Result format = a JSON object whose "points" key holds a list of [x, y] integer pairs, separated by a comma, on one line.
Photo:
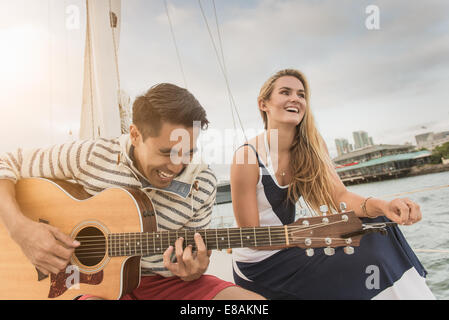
{"points": [[103, 163], [274, 209]]}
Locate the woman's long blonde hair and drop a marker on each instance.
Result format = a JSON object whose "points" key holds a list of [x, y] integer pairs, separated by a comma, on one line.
{"points": [[310, 163]]}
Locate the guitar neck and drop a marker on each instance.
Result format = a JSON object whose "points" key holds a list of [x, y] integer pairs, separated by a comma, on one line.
{"points": [[145, 244]]}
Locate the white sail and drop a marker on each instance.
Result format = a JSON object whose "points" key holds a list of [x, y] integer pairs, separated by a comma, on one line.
{"points": [[100, 114]]}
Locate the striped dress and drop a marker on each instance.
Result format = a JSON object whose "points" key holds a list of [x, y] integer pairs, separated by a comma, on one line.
{"points": [[382, 267], [103, 163]]}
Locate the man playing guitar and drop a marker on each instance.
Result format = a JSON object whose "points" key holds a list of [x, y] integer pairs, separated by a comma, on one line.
{"points": [[155, 158]]}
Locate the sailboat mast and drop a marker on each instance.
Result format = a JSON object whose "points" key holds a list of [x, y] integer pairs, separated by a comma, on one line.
{"points": [[100, 114]]}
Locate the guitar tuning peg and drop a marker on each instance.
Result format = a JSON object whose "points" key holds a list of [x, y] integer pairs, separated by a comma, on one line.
{"points": [[310, 252], [348, 250], [324, 209], [343, 206], [328, 251]]}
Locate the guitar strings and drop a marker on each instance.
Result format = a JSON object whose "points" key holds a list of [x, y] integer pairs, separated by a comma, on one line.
{"points": [[235, 231], [103, 253], [231, 242], [232, 234], [278, 231], [127, 251]]}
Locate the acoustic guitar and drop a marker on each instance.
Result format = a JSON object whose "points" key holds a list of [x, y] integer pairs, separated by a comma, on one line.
{"points": [[118, 226]]}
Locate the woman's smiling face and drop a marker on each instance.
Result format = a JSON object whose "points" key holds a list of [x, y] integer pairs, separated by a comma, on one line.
{"points": [[287, 102]]}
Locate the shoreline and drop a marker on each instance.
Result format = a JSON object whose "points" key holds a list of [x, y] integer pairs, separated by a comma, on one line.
{"points": [[411, 172], [224, 191], [427, 168]]}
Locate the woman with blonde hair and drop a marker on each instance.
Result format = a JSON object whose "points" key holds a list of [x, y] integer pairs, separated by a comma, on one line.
{"points": [[289, 161]]}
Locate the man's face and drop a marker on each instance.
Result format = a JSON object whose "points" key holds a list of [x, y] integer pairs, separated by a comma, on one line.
{"points": [[160, 159]]}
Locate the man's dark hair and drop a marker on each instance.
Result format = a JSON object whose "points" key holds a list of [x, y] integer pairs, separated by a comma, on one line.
{"points": [[166, 102]]}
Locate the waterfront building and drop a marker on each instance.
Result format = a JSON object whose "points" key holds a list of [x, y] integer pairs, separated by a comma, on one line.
{"points": [[430, 140], [372, 163], [379, 162], [372, 152]]}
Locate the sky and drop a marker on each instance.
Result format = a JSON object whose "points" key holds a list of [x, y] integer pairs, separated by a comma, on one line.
{"points": [[377, 66]]}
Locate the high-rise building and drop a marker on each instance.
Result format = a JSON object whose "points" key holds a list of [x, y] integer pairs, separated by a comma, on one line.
{"points": [[339, 145], [361, 139], [358, 140], [343, 146]]}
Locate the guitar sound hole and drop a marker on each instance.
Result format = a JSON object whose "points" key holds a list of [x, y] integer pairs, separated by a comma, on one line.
{"points": [[93, 246]]}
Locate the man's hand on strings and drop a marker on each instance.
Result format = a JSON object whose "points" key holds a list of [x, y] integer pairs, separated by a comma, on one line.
{"points": [[189, 265]]}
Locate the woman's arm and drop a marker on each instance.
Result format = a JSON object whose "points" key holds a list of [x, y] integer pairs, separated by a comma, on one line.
{"points": [[403, 211], [244, 177]]}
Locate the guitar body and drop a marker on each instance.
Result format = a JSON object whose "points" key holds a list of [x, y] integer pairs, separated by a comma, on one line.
{"points": [[74, 212]]}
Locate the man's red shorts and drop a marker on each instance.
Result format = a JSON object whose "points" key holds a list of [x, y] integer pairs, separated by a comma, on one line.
{"points": [[173, 288]]}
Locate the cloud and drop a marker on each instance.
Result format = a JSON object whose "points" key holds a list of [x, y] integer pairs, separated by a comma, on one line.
{"points": [[385, 81], [388, 82]]}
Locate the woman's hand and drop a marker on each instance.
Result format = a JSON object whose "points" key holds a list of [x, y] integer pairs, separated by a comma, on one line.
{"points": [[403, 211], [189, 265]]}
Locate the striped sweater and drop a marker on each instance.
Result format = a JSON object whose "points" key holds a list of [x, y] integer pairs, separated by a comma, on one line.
{"points": [[104, 163]]}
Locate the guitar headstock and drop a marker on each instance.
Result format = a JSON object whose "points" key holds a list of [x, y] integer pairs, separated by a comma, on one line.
{"points": [[326, 230]]}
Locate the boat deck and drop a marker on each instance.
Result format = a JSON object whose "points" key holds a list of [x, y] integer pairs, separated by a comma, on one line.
{"points": [[221, 265]]}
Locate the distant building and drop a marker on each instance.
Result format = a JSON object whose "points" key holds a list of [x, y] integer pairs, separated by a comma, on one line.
{"points": [[372, 152], [343, 146], [431, 140], [361, 139], [378, 162]]}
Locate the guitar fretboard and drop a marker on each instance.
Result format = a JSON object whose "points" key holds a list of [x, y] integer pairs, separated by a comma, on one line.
{"points": [[145, 244]]}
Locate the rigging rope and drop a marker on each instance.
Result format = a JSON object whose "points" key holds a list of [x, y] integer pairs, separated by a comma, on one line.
{"points": [[174, 41], [414, 191], [123, 109], [431, 250], [113, 23], [89, 57], [222, 67]]}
